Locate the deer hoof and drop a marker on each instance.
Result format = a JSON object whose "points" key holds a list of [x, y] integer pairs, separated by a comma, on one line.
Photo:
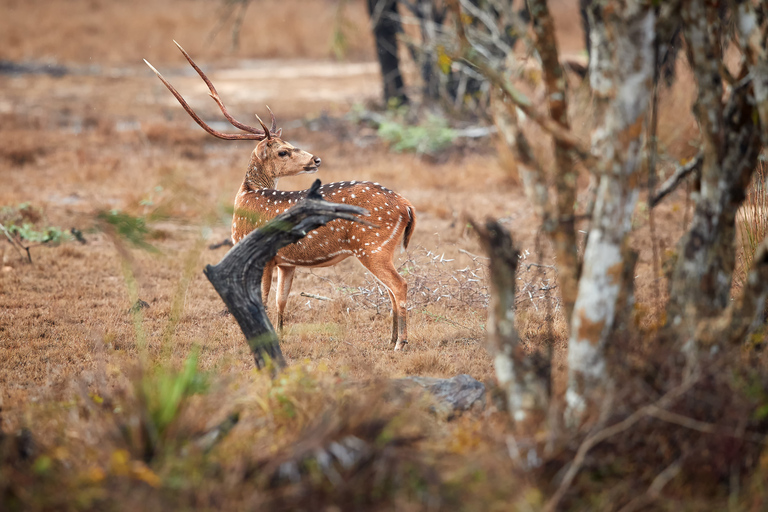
{"points": [[400, 345]]}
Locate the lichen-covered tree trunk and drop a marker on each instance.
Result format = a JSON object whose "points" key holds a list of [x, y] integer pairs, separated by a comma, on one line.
{"points": [[523, 378], [730, 132], [561, 225], [621, 74]]}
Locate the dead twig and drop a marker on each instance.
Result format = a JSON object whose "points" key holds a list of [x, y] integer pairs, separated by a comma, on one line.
{"points": [[702, 426], [312, 296], [227, 242], [473, 255], [693, 165], [15, 243]]}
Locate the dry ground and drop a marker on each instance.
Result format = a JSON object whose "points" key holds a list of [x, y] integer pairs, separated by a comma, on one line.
{"points": [[107, 135]]}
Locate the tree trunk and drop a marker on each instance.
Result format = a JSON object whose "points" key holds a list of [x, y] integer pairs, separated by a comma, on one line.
{"points": [[561, 225], [701, 282], [524, 379], [621, 74], [386, 25], [753, 33]]}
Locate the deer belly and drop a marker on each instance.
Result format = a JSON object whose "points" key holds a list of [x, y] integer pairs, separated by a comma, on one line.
{"points": [[299, 258]]}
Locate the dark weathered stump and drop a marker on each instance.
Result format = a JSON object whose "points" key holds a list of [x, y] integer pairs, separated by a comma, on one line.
{"points": [[237, 277]]}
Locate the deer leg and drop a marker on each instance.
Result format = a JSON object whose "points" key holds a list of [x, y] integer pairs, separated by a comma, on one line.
{"points": [[266, 282], [397, 288], [395, 317], [284, 281]]}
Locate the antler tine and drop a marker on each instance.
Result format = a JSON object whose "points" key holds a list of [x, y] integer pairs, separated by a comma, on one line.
{"points": [[266, 130], [215, 95], [203, 125], [273, 128]]}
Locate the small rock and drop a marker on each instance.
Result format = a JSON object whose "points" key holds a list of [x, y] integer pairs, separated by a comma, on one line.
{"points": [[454, 395]]}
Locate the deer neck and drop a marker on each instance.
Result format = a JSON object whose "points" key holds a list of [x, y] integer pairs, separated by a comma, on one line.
{"points": [[257, 176]]}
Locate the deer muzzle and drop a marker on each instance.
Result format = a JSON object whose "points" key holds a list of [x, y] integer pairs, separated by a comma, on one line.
{"points": [[313, 165]]}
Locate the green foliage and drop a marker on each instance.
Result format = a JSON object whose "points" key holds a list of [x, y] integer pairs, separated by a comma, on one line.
{"points": [[24, 226], [429, 137], [29, 233], [165, 390], [133, 229], [162, 395], [27, 224]]}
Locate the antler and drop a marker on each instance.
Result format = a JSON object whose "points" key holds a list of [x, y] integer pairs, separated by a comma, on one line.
{"points": [[253, 133], [264, 126]]}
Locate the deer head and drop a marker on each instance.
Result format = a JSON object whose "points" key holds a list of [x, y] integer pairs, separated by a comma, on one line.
{"points": [[272, 159]]}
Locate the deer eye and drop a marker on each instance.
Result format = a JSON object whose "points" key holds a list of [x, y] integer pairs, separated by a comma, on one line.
{"points": [[282, 153]]}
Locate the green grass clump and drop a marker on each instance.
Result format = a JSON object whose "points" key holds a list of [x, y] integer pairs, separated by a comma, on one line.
{"points": [[427, 138]]}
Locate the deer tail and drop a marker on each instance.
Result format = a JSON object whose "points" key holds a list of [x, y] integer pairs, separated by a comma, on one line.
{"points": [[409, 227]]}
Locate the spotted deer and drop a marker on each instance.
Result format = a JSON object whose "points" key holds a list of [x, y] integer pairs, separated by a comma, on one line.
{"points": [[258, 201]]}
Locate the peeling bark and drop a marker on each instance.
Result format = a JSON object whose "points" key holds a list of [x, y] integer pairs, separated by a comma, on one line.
{"points": [[621, 74], [562, 227], [522, 377]]}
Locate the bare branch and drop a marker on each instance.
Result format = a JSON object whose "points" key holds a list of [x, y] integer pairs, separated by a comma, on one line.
{"points": [[654, 490], [467, 54], [682, 172], [312, 296]]}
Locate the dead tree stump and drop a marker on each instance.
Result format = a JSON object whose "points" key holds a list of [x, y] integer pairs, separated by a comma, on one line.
{"points": [[237, 277]]}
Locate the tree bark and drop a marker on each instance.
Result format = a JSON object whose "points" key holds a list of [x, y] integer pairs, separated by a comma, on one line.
{"points": [[562, 226], [753, 32], [701, 281], [523, 378], [386, 25], [743, 314], [237, 277], [621, 74]]}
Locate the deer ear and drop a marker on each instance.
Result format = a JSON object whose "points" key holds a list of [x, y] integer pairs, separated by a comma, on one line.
{"points": [[261, 150], [278, 133]]}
